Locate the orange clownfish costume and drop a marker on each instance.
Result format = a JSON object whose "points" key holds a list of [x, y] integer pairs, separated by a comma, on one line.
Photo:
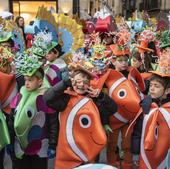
{"points": [[80, 129], [155, 141], [7, 90], [126, 93]]}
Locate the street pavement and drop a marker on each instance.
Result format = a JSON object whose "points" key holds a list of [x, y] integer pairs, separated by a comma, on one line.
{"points": [[8, 165], [7, 161]]}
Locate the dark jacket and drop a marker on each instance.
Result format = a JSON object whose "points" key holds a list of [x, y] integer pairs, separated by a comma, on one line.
{"points": [[58, 100]]}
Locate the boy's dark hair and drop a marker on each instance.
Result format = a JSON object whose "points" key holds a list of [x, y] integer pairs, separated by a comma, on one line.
{"points": [[39, 73], [56, 49], [165, 81], [82, 72]]}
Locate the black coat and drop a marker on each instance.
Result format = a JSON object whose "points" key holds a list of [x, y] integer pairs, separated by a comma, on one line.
{"points": [[137, 130]]}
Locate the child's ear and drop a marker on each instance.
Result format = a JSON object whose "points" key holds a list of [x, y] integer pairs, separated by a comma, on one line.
{"points": [[167, 91], [40, 81], [113, 61]]}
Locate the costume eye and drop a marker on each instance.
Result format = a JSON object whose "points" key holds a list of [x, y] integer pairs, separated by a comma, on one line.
{"points": [[30, 113], [85, 121], [156, 132], [122, 93]]}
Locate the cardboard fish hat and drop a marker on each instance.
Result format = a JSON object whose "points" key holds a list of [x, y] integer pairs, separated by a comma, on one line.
{"points": [[122, 43], [145, 37]]}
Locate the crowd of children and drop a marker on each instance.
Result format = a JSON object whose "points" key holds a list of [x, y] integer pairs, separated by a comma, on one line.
{"points": [[112, 93]]}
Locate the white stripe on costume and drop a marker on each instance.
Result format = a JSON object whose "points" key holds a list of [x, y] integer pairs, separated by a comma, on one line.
{"points": [[115, 85], [120, 117], [7, 102], [69, 129], [145, 120]]}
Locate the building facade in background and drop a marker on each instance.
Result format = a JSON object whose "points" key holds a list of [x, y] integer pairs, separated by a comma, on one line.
{"points": [[28, 8]]}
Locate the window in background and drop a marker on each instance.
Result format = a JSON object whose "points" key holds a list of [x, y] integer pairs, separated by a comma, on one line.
{"points": [[28, 9]]}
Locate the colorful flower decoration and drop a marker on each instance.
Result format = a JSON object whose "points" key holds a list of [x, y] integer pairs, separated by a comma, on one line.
{"points": [[148, 35], [42, 44], [5, 32], [27, 63], [163, 64], [165, 39], [6, 57]]}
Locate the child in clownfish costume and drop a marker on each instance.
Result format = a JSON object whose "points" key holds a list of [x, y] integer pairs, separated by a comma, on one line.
{"points": [[151, 133], [124, 71], [80, 123], [158, 100]]}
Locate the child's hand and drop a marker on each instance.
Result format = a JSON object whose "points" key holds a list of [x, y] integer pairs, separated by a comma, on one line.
{"points": [[108, 129], [93, 92], [51, 153]]}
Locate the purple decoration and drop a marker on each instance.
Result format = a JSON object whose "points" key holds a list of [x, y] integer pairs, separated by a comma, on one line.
{"points": [[15, 101], [33, 147], [57, 77], [41, 106]]}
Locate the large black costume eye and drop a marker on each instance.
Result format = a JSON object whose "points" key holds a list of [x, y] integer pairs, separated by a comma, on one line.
{"points": [[121, 93], [156, 132], [85, 121], [30, 113]]}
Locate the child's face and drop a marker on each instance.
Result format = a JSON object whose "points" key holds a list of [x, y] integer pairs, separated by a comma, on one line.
{"points": [[136, 63], [121, 63], [80, 83], [108, 40], [21, 22], [156, 89], [51, 56], [32, 83]]}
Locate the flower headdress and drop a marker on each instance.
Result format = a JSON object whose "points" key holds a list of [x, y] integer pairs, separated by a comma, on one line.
{"points": [[165, 39], [163, 64], [5, 30], [122, 43], [6, 57], [27, 63], [43, 44]]}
